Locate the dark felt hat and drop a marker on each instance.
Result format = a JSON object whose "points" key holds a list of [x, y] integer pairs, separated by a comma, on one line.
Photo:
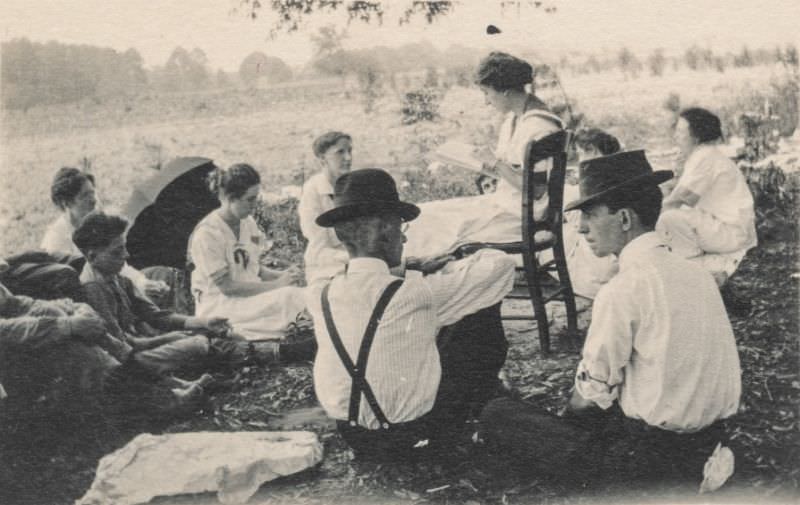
{"points": [[366, 192], [605, 178]]}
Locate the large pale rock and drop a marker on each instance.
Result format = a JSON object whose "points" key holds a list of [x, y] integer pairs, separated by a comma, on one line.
{"points": [[232, 464]]}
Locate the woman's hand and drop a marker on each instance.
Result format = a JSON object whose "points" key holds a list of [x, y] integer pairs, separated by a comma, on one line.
{"points": [[290, 277]]}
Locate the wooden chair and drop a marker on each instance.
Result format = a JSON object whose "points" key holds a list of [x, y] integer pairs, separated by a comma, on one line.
{"points": [[538, 236]]}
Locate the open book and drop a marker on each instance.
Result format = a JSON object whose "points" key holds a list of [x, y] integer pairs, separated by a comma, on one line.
{"points": [[461, 155]]}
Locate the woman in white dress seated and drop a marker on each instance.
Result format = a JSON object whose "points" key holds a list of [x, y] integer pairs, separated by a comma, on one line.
{"points": [[493, 217], [709, 216], [228, 279]]}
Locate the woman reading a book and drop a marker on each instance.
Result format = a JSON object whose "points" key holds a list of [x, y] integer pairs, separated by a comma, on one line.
{"points": [[493, 217]]}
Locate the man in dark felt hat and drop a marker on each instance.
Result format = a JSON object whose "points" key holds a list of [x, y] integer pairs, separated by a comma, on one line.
{"points": [[403, 362], [660, 354], [659, 367]]}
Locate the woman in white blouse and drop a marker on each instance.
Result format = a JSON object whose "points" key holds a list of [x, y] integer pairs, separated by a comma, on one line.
{"points": [[495, 217], [325, 256], [73, 192], [228, 279], [709, 216]]}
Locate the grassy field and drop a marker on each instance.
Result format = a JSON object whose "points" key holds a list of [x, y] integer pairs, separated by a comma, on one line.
{"points": [[123, 140]]}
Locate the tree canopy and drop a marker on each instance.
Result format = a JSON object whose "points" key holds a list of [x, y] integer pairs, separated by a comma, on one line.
{"points": [[291, 14]]}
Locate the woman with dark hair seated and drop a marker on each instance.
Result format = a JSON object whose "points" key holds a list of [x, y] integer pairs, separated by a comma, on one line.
{"points": [[73, 192], [228, 279], [593, 142], [506, 82], [709, 216]]}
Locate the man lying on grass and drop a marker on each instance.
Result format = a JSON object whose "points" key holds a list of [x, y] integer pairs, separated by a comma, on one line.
{"points": [[403, 363], [161, 341], [52, 362]]}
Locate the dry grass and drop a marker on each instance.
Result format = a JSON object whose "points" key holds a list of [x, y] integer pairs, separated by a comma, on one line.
{"points": [[272, 129]]}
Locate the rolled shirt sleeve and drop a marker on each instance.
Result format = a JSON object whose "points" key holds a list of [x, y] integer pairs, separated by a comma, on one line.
{"points": [[464, 287], [607, 349]]}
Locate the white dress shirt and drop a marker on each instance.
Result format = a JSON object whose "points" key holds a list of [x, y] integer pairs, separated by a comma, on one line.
{"points": [[660, 342], [325, 256], [403, 367]]}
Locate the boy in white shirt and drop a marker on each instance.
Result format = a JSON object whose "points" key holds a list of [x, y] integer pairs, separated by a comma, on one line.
{"points": [[325, 255]]}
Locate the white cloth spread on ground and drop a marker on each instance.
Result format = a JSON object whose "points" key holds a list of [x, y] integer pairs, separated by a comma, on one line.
{"points": [[215, 251], [234, 465], [722, 223], [493, 217], [660, 342], [325, 256], [58, 239], [403, 368]]}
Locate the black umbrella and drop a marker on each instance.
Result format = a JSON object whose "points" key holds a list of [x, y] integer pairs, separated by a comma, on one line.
{"points": [[165, 208]]}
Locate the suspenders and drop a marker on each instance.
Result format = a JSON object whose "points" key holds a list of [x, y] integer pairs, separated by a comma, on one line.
{"points": [[359, 370]]}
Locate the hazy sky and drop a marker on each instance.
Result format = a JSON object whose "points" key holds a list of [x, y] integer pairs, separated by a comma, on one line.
{"points": [[155, 27]]}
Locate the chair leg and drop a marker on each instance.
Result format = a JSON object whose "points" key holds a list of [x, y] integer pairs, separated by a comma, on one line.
{"points": [[539, 309], [568, 295]]}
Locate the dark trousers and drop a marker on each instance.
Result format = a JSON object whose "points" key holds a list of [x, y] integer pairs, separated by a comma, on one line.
{"points": [[602, 445], [472, 352]]}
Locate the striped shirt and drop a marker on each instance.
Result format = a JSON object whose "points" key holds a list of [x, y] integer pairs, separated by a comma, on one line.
{"points": [[403, 368]]}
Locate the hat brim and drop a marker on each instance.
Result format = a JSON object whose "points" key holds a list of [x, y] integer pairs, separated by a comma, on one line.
{"points": [[656, 177], [406, 211]]}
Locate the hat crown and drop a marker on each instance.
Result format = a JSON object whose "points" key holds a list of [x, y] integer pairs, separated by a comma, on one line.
{"points": [[366, 192], [610, 176], [365, 185], [614, 169]]}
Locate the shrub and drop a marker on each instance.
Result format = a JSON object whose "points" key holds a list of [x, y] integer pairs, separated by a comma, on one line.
{"points": [[281, 223], [760, 136], [776, 195], [421, 105]]}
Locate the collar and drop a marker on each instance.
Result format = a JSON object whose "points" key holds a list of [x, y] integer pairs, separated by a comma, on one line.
{"points": [[89, 274], [639, 248], [324, 186], [367, 266], [699, 151]]}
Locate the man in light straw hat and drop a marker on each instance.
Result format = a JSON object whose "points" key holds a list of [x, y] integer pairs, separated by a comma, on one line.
{"points": [[403, 363], [659, 368]]}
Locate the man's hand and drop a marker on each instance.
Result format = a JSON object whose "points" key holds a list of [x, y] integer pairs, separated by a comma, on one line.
{"points": [[217, 324], [89, 328], [578, 405], [430, 264], [155, 289]]}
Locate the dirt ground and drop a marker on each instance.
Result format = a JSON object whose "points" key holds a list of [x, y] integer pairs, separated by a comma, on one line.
{"points": [[52, 461]]}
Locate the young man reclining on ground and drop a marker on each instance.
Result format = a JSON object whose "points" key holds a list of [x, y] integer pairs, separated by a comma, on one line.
{"points": [[161, 341], [52, 358]]}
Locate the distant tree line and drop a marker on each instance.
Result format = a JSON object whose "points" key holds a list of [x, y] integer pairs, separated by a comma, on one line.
{"points": [[34, 73], [694, 58]]}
